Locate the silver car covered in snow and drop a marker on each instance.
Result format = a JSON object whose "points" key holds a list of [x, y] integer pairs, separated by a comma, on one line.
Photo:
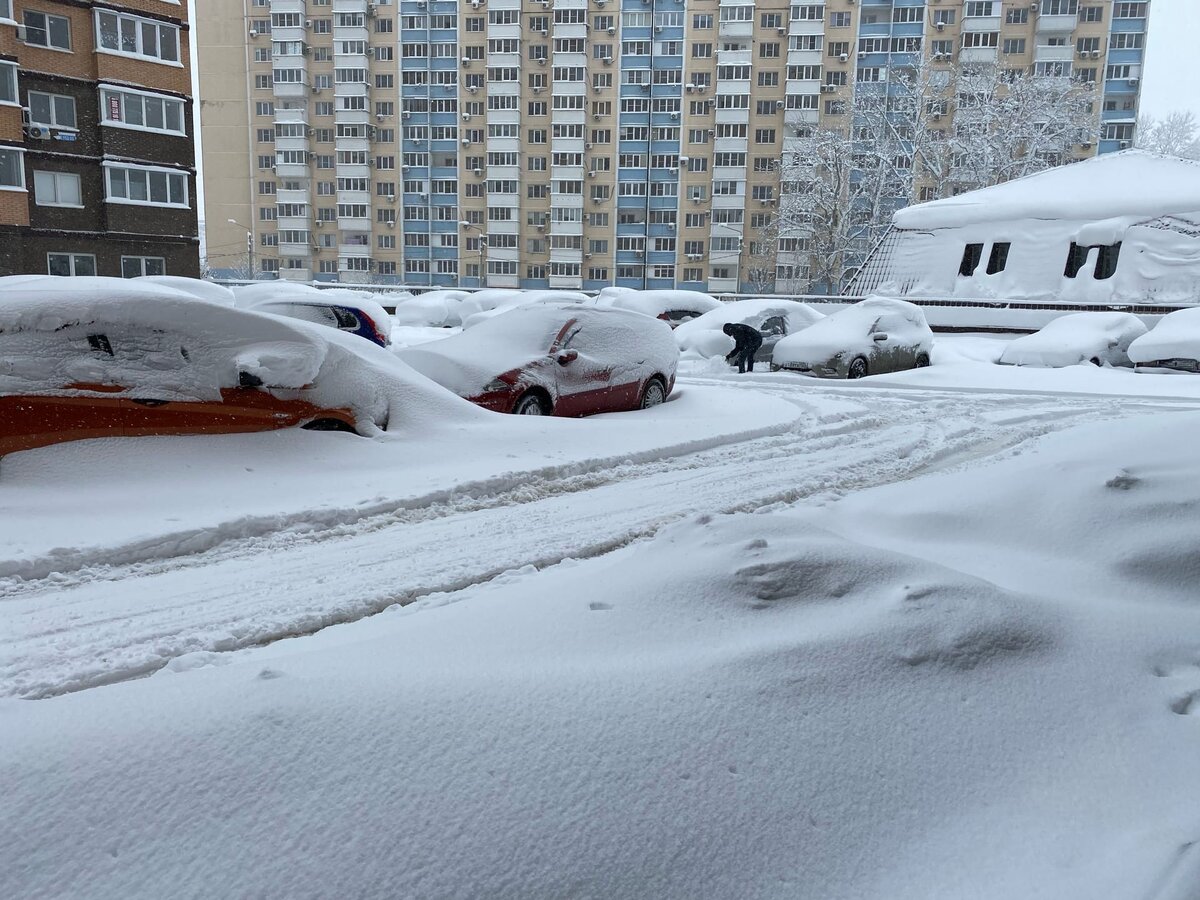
{"points": [[874, 336]]}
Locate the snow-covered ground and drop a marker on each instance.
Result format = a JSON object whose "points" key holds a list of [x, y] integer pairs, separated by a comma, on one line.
{"points": [[776, 638]]}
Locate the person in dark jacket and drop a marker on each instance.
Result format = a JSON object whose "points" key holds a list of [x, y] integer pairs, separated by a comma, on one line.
{"points": [[747, 342]]}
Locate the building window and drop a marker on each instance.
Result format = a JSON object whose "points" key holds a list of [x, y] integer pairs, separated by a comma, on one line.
{"points": [[8, 82], [70, 264], [998, 258], [972, 254], [42, 30], [57, 189], [6, 10], [52, 109], [132, 36], [136, 266], [1106, 261], [12, 170], [149, 112], [152, 187]]}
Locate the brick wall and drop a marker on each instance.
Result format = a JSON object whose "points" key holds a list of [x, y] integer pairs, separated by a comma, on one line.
{"points": [[106, 230]]}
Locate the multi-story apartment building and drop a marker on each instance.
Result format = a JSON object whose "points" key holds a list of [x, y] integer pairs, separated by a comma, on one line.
{"points": [[97, 162], [572, 143]]}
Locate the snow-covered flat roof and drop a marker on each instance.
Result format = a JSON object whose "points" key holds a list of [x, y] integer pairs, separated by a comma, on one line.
{"points": [[1130, 183]]}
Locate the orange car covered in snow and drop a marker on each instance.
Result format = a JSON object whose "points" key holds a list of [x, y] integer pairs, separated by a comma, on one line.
{"points": [[99, 357]]}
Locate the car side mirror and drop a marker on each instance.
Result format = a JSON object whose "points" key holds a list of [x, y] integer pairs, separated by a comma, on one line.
{"points": [[879, 336], [567, 357]]}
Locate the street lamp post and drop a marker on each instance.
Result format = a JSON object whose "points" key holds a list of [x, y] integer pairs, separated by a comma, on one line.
{"points": [[482, 250], [249, 245]]}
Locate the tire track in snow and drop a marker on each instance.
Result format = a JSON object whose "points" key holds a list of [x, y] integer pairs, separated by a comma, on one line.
{"points": [[122, 622]]}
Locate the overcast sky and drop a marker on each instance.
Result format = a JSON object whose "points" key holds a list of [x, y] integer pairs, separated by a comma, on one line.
{"points": [[1170, 81]]}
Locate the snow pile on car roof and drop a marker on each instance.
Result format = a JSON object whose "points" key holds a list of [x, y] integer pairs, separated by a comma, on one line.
{"points": [[703, 336], [491, 307], [158, 343], [153, 341], [849, 331], [1079, 337], [655, 303], [205, 290], [1176, 336]]}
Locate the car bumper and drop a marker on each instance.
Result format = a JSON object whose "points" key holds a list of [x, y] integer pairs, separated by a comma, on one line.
{"points": [[811, 371], [1175, 364]]}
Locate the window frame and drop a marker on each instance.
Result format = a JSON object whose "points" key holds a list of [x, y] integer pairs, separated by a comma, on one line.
{"points": [[46, 27], [141, 22], [71, 257], [14, 80], [142, 265], [109, 167], [20, 169], [74, 126], [55, 175]]}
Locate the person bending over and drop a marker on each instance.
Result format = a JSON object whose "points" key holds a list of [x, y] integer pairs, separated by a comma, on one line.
{"points": [[747, 341]]}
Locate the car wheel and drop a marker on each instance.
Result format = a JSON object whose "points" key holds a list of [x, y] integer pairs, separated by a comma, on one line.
{"points": [[654, 394], [922, 360], [328, 425], [530, 404], [858, 368]]}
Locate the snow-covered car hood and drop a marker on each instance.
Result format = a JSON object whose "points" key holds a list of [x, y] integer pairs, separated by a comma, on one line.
{"points": [[703, 335], [848, 332], [468, 361], [1075, 338], [1177, 335]]}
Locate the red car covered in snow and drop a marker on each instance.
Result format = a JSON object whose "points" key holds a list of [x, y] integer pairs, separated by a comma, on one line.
{"points": [[555, 359]]}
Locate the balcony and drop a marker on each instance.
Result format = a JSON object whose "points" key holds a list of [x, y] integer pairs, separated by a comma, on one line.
{"points": [[977, 55], [981, 23], [1048, 53], [1056, 24], [291, 90], [295, 250], [736, 29]]}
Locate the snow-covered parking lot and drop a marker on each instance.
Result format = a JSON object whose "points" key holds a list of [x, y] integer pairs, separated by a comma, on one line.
{"points": [[928, 635]]}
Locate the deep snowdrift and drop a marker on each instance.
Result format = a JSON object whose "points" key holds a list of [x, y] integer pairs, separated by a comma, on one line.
{"points": [[978, 684]]}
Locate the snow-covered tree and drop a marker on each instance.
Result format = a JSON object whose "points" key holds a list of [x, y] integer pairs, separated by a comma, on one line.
{"points": [[1007, 126], [926, 131], [1176, 135]]}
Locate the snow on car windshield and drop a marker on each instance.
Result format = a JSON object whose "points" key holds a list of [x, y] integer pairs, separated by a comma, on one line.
{"points": [[466, 362]]}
